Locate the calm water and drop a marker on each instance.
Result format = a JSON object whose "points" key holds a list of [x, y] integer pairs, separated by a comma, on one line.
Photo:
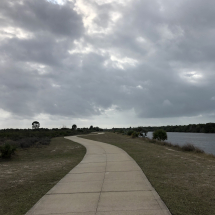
{"points": [[201, 140]]}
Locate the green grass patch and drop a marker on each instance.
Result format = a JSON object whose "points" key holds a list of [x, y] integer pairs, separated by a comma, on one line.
{"points": [[184, 180], [32, 172]]}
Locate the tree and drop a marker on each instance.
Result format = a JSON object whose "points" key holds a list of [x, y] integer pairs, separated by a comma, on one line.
{"points": [[141, 130], [74, 127], [91, 127], [35, 125], [96, 128], [144, 131], [160, 135]]}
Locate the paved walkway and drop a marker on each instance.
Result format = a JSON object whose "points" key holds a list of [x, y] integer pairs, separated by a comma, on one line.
{"points": [[106, 182]]}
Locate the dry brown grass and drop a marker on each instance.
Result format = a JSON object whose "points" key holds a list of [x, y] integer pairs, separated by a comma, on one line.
{"points": [[184, 180], [34, 171]]}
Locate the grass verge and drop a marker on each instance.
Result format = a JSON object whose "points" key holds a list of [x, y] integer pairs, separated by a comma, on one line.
{"points": [[187, 147], [32, 172], [184, 180]]}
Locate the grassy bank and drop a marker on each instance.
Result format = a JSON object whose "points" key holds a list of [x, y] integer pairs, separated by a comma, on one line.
{"points": [[34, 171], [184, 180]]}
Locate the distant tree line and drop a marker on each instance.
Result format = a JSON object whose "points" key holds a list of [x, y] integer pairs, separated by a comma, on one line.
{"points": [[139, 130], [191, 128], [39, 136], [45, 132]]}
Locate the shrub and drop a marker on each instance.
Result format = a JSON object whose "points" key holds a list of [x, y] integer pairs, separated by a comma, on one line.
{"points": [[129, 133], [7, 150], [191, 148], [120, 131], [134, 134], [198, 150], [31, 141], [188, 147], [160, 135]]}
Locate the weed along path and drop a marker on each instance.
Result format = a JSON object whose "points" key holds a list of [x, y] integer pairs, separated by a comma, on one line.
{"points": [[106, 182]]}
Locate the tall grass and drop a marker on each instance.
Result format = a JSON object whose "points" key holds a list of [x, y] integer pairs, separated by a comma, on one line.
{"points": [[187, 147]]}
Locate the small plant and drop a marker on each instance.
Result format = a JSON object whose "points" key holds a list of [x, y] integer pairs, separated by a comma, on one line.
{"points": [[7, 150], [160, 135]]}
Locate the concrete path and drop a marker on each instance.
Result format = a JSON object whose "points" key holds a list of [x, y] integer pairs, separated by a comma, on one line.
{"points": [[106, 182]]}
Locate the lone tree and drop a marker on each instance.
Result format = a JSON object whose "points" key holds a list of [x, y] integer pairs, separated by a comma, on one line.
{"points": [[74, 127], [35, 125], [160, 135]]}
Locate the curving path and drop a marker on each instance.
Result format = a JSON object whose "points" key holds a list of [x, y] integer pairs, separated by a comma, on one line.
{"points": [[106, 182]]}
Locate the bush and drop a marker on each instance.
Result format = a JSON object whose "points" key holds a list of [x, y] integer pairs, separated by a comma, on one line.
{"points": [[7, 150], [31, 141], [120, 131], [160, 135], [191, 148], [134, 134], [129, 133], [188, 147]]}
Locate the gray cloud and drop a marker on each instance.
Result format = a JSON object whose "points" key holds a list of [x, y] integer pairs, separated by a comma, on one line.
{"points": [[42, 16], [153, 57]]}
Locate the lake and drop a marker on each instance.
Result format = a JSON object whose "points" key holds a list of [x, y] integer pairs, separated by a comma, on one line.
{"points": [[203, 141]]}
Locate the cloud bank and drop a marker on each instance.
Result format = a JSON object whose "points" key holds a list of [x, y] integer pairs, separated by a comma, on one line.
{"points": [[102, 61]]}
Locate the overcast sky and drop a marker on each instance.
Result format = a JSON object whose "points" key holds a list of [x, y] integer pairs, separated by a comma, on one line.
{"points": [[107, 63]]}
